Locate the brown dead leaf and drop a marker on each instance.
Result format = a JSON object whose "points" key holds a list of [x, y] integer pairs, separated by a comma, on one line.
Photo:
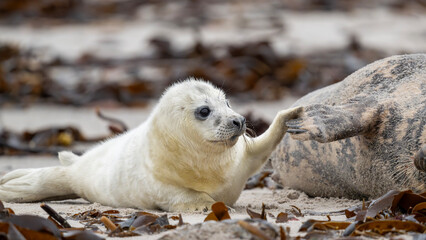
{"points": [[350, 229], [211, 217], [283, 235], [219, 212], [282, 217], [385, 226], [307, 225], [254, 215], [25, 232], [379, 204], [93, 213], [327, 225], [406, 200], [116, 125], [110, 212], [296, 211], [108, 223], [38, 228], [5, 212], [419, 212], [55, 217], [253, 230], [352, 211], [180, 220], [257, 181], [150, 223], [419, 208], [80, 235], [143, 220], [312, 225], [34, 223], [14, 234]]}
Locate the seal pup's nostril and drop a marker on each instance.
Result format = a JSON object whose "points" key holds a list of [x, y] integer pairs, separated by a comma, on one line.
{"points": [[239, 122], [236, 123]]}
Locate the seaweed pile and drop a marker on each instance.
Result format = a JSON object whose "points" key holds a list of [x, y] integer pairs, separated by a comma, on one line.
{"points": [[250, 71], [53, 139], [83, 11]]}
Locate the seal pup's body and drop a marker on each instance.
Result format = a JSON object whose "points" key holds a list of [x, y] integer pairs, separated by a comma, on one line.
{"points": [[357, 138], [190, 153]]}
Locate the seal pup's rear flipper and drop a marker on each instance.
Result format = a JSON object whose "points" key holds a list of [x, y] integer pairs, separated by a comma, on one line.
{"points": [[67, 158], [325, 123], [29, 185]]}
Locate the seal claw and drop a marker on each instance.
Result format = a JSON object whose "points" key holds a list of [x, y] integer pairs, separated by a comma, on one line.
{"points": [[296, 121], [296, 131], [294, 126]]}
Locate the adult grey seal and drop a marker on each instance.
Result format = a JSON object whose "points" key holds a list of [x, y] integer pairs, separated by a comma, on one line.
{"points": [[358, 138]]}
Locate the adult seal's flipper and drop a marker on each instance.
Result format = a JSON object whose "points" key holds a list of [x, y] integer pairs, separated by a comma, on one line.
{"points": [[324, 123]]}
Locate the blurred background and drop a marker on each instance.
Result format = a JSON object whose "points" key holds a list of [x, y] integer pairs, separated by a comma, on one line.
{"points": [[60, 60]]}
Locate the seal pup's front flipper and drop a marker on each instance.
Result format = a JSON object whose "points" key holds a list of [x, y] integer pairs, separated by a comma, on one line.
{"points": [[324, 123], [261, 147]]}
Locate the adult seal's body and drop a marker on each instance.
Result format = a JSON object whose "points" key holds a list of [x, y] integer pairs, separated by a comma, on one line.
{"points": [[190, 153], [362, 136]]}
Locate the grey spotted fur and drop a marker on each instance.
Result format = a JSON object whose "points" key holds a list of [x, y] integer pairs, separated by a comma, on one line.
{"points": [[357, 138]]}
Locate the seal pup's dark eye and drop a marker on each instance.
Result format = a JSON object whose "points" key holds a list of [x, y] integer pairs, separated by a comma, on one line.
{"points": [[202, 112], [227, 104], [205, 112]]}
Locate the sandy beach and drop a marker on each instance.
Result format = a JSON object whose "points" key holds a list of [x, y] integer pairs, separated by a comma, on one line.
{"points": [[299, 33]]}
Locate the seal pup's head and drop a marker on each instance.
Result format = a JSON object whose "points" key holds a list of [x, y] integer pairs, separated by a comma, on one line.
{"points": [[199, 113]]}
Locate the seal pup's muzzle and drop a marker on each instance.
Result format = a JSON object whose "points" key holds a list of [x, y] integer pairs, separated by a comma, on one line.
{"points": [[239, 125]]}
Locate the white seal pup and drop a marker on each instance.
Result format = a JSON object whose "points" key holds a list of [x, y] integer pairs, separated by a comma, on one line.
{"points": [[191, 152]]}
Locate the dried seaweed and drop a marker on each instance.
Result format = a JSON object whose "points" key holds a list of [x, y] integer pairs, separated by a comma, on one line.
{"points": [[84, 11], [118, 225], [262, 73], [253, 230], [219, 212], [65, 11], [52, 140], [393, 214], [55, 216], [35, 227], [296, 211], [258, 180], [255, 215], [396, 212], [282, 217]]}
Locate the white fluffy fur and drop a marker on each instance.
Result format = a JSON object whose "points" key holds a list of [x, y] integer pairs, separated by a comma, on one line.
{"points": [[172, 161]]}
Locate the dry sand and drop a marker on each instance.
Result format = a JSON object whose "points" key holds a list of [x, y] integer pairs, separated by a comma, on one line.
{"points": [[276, 201]]}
